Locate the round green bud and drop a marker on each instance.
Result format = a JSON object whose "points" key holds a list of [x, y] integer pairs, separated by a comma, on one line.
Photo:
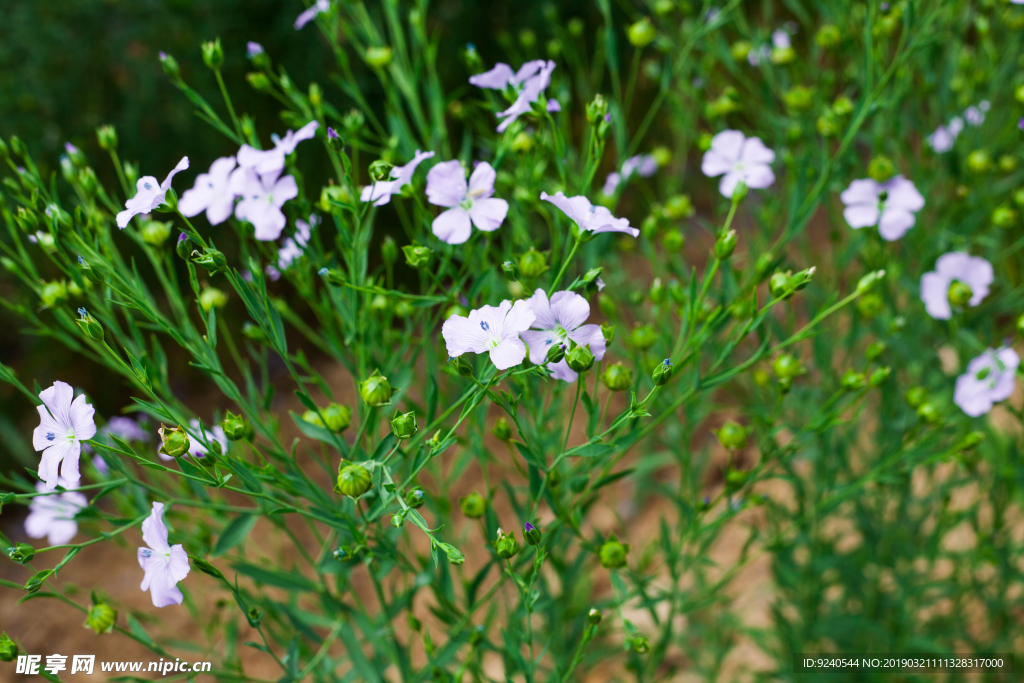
{"points": [[211, 297], [338, 417], [732, 435], [1007, 163], [555, 353], [532, 534], [353, 480], [867, 283], [643, 337], [253, 332], [473, 505], [51, 293], [612, 554], [378, 57], [398, 520], [778, 285], [959, 293], [575, 26], [375, 390], [798, 98], [170, 65], [415, 498], [662, 373], [173, 441], [916, 396], [417, 256], [929, 413], [828, 36], [213, 54], [853, 380], [1004, 217], [608, 332], [874, 350], [254, 616], [502, 429], [234, 426], [657, 291], [726, 244], [673, 241], [979, 161], [740, 49], [640, 645], [101, 618], [506, 545], [617, 377], [155, 233], [735, 479], [678, 207], [607, 305], [879, 376], [107, 137], [842, 106], [641, 33], [579, 358], [533, 264], [8, 649], [594, 616], [404, 426], [21, 553], [787, 367], [881, 169], [511, 270], [870, 305], [89, 325], [828, 125]]}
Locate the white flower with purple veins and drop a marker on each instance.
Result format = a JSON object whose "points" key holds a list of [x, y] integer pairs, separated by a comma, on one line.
{"points": [[381, 190], [149, 194], [557, 321], [890, 205], [270, 161], [63, 425], [973, 272], [446, 186], [262, 199], [490, 329], [165, 565], [589, 217], [530, 81], [195, 448], [736, 157], [310, 14], [53, 516], [990, 378], [211, 193], [644, 165]]}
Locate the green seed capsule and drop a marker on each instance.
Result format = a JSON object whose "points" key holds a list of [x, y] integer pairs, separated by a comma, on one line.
{"points": [[101, 618]]}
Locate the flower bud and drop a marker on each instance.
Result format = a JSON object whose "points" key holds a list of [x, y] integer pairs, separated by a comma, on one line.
{"points": [[641, 33], [594, 616], [608, 332], [378, 57], [417, 256], [8, 649], [673, 241], [866, 283], [678, 207], [657, 291], [462, 366], [798, 98], [155, 233], [415, 498], [90, 326], [725, 245], [234, 426], [380, 170], [254, 616], [398, 520], [881, 169], [916, 396], [506, 545], [739, 193], [778, 285], [612, 554], [643, 337], [35, 582], [502, 429], [253, 332], [375, 390], [579, 358], [879, 376], [959, 293], [870, 305], [213, 55], [107, 137], [183, 246], [335, 141], [828, 36], [101, 618], [617, 377], [173, 441], [473, 505], [929, 413], [596, 110], [979, 161], [786, 367], [640, 645], [853, 380], [662, 373], [88, 182], [170, 65], [353, 479], [532, 534], [874, 350], [344, 554], [258, 81], [211, 297], [212, 260], [732, 435], [404, 426], [1004, 217], [555, 353], [511, 270], [53, 292], [21, 553], [533, 264], [389, 251]]}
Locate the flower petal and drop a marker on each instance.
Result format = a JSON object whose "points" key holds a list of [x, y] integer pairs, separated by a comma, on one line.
{"points": [[562, 371], [539, 343], [452, 226], [755, 152], [462, 335], [569, 309], [446, 184], [861, 215], [82, 419], [592, 335], [488, 214], [481, 181], [714, 164], [903, 195], [154, 531], [182, 165], [758, 176], [894, 223], [863, 191], [728, 144], [508, 354], [518, 319], [496, 79], [935, 295], [545, 319]]}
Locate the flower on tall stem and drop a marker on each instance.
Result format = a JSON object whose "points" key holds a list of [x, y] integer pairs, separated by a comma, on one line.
{"points": [[53, 516], [270, 161], [890, 205], [736, 157], [529, 82], [990, 378], [262, 199], [211, 193], [63, 425], [446, 186], [164, 565], [556, 322], [149, 194], [196, 449], [493, 330], [644, 165], [310, 14], [959, 279], [380, 191], [589, 218]]}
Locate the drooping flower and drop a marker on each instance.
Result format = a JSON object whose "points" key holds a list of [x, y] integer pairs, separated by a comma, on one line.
{"points": [[211, 193], [271, 161], [490, 329], [990, 378], [738, 158], [252, 49], [262, 199], [557, 321], [165, 565], [530, 81], [446, 186], [310, 14], [380, 191], [972, 271], [644, 165], [149, 194], [53, 516], [891, 205], [589, 217], [196, 448], [63, 425]]}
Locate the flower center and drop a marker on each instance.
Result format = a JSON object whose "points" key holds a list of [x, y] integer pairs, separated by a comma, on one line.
{"points": [[739, 166], [466, 203], [148, 186], [484, 326], [959, 293]]}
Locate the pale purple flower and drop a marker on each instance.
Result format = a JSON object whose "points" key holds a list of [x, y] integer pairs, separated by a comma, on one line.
{"points": [[270, 161], [891, 205], [530, 81], [644, 165], [53, 516], [211, 193], [252, 49], [262, 199], [165, 565], [490, 329], [941, 140], [973, 271], [63, 425], [737, 157], [758, 54], [310, 14], [272, 272], [990, 378], [780, 40], [557, 321], [446, 186], [589, 217], [69, 148], [149, 194], [976, 115], [380, 191], [292, 247], [195, 448]]}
